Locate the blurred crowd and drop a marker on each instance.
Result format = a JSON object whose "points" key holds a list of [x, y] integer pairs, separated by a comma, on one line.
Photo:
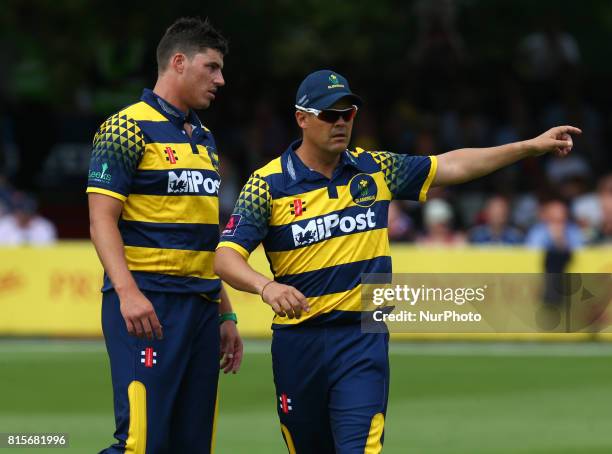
{"points": [[20, 223], [552, 223], [442, 97], [435, 75]]}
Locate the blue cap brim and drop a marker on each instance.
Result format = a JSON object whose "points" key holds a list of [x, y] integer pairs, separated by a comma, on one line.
{"points": [[330, 100]]}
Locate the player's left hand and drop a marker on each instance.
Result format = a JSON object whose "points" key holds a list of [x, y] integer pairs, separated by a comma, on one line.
{"points": [[231, 347], [557, 140]]}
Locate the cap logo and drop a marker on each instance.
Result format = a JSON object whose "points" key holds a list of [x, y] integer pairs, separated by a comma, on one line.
{"points": [[333, 80]]}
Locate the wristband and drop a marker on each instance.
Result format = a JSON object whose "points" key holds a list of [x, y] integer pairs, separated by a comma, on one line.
{"points": [[228, 316], [264, 287]]}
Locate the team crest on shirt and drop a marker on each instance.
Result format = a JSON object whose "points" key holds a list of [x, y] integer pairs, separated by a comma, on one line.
{"points": [[363, 190], [232, 224]]}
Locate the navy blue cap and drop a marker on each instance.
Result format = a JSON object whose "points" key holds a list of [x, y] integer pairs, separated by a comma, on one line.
{"points": [[321, 89]]}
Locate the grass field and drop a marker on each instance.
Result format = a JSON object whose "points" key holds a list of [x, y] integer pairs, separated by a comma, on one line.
{"points": [[445, 398]]}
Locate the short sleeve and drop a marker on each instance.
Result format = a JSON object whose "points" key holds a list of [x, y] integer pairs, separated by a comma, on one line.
{"points": [[117, 150], [407, 177], [248, 224]]}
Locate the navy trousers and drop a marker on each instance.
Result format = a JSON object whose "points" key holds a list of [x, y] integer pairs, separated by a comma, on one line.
{"points": [[332, 385], [165, 391]]}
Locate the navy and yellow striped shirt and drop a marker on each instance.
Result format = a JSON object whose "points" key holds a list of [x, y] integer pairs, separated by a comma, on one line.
{"points": [[321, 234], [169, 184]]}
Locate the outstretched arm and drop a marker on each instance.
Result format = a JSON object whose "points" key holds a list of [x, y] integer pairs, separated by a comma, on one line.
{"points": [[459, 166]]}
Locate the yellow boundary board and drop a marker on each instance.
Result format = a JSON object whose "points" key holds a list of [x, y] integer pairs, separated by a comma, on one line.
{"points": [[55, 291]]}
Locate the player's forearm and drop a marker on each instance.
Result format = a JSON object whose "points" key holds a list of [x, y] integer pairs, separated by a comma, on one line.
{"points": [[109, 246], [459, 166], [234, 269]]}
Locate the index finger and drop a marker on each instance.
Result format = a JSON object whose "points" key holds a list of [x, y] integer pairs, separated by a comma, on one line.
{"points": [[302, 299], [567, 128]]}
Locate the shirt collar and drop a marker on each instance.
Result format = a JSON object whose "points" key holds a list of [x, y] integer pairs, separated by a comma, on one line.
{"points": [[296, 171], [172, 113]]}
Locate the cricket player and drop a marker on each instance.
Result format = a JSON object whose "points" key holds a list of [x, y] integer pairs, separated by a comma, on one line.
{"points": [[154, 213], [320, 211]]}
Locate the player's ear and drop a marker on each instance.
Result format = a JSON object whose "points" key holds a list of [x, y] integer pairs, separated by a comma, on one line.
{"points": [[301, 118], [178, 61]]}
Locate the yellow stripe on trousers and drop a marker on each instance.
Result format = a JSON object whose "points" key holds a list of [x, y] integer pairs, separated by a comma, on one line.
{"points": [[137, 433], [288, 439], [373, 444], [213, 438]]}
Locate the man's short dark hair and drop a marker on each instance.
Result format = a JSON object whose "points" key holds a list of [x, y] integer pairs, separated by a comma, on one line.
{"points": [[189, 35]]}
